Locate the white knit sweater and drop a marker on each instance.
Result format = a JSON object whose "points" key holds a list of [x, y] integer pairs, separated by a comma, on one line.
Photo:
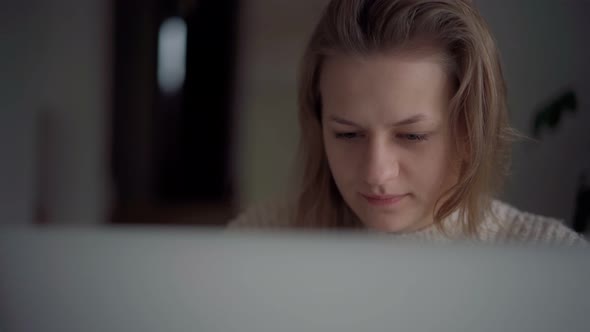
{"points": [[509, 225]]}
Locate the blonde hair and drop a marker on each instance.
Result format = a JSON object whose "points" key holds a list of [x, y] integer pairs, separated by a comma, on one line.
{"points": [[478, 115]]}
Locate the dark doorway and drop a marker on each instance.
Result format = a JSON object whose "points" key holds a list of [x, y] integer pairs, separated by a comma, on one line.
{"points": [[171, 151]]}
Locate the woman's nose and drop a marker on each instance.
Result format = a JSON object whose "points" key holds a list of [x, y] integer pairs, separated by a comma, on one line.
{"points": [[381, 164]]}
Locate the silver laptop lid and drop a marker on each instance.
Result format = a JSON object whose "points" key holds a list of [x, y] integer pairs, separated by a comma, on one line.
{"points": [[202, 280]]}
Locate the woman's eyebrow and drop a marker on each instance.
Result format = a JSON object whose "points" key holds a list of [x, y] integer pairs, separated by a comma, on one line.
{"points": [[343, 121], [410, 120]]}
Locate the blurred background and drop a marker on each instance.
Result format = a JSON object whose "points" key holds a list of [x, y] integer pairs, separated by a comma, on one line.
{"points": [[184, 112]]}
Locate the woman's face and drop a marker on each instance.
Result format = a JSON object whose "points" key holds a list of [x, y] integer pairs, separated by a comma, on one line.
{"points": [[386, 136]]}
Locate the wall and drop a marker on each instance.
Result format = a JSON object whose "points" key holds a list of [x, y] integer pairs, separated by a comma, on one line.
{"points": [[545, 51], [55, 94]]}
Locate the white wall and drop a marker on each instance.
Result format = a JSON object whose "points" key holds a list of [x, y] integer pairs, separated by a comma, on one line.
{"points": [[56, 58], [544, 48], [16, 126]]}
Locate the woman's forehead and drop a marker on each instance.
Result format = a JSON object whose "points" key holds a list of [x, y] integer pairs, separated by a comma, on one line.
{"points": [[398, 86]]}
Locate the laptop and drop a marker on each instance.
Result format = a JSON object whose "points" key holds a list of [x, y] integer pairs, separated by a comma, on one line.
{"points": [[191, 279]]}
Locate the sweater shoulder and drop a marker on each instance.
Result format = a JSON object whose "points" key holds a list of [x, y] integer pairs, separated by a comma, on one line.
{"points": [[520, 226]]}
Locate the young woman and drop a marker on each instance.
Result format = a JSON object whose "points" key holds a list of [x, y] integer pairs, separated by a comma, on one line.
{"points": [[404, 128]]}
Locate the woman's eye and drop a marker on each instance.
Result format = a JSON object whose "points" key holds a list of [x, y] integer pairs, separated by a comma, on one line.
{"points": [[346, 135], [413, 137]]}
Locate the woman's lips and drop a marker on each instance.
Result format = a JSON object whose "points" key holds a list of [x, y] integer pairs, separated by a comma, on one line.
{"points": [[383, 200]]}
